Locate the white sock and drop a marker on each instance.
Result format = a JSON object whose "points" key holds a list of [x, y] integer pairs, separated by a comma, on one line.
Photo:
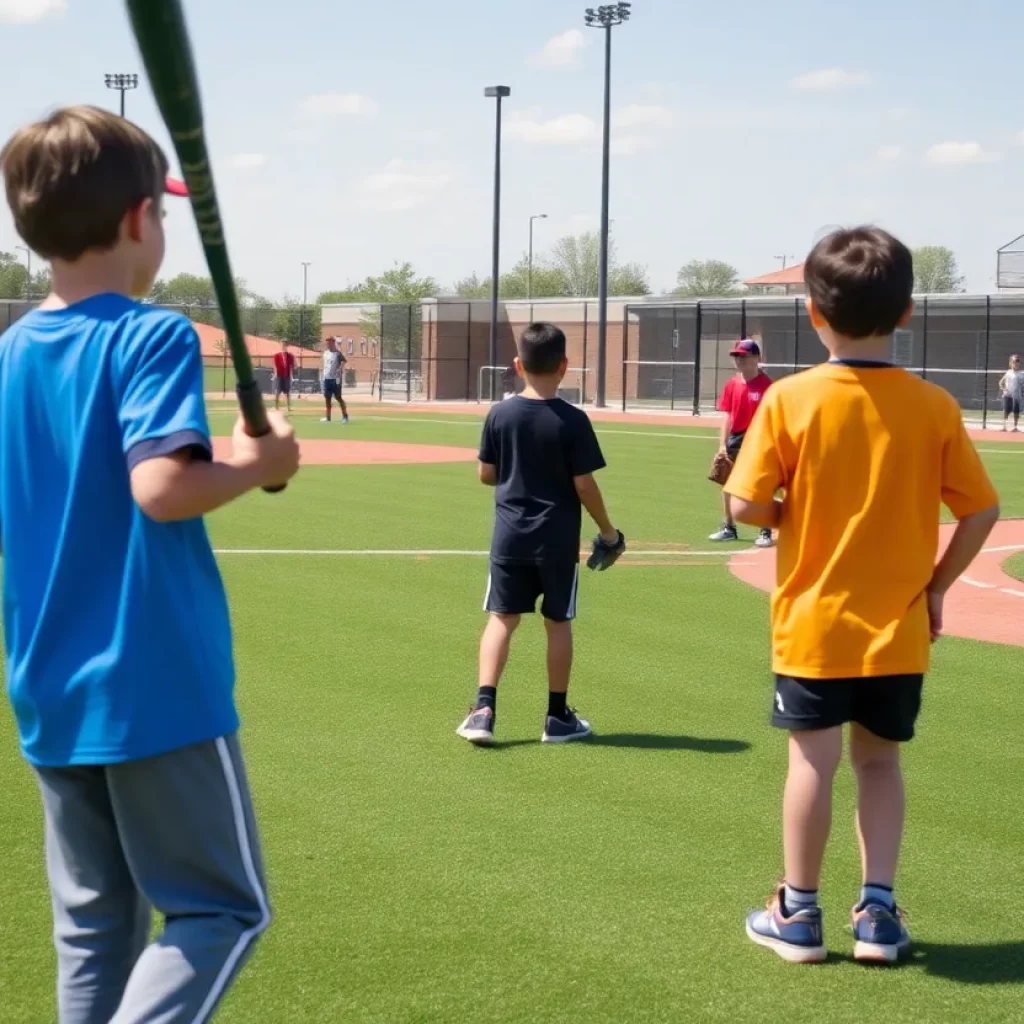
{"points": [[878, 894], [799, 899]]}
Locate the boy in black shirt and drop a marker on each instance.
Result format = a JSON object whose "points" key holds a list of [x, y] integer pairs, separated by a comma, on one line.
{"points": [[540, 454]]}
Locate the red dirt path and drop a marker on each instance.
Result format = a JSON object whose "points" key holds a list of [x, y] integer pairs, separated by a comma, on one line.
{"points": [[984, 604], [321, 452]]}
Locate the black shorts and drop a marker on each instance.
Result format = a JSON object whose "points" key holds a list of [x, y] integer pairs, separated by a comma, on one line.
{"points": [[886, 706], [1011, 406], [733, 444], [514, 589], [332, 389], [282, 385]]}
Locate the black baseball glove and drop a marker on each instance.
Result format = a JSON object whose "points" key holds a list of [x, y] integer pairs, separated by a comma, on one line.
{"points": [[606, 554]]}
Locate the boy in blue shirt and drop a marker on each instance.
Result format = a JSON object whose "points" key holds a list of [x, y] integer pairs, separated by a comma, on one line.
{"points": [[119, 659]]}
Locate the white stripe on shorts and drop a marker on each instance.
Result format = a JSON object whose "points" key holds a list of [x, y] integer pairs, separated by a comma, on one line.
{"points": [[571, 614], [487, 593]]}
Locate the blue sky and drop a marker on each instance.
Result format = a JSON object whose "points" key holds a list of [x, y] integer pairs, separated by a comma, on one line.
{"points": [[354, 136]]}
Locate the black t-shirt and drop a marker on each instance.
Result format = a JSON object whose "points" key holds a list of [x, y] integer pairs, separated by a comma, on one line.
{"points": [[537, 448]]}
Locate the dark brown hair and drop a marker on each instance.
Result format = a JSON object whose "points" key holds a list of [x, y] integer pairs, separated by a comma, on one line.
{"points": [[71, 178], [542, 348], [861, 281]]}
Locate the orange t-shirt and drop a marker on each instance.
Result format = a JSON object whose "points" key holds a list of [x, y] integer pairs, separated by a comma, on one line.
{"points": [[866, 455]]}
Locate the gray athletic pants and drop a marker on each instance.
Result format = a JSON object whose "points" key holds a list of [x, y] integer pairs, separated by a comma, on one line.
{"points": [[176, 833]]}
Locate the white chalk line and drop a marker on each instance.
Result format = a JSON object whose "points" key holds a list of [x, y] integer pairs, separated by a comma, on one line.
{"points": [[456, 553]]}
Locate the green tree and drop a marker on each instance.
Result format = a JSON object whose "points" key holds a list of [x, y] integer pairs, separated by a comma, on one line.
{"points": [[398, 284], [936, 271], [707, 279], [13, 277], [628, 279], [472, 287], [296, 324]]}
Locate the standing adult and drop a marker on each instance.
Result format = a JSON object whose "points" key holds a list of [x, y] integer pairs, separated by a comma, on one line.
{"points": [[740, 400], [333, 366], [284, 370], [1011, 387]]}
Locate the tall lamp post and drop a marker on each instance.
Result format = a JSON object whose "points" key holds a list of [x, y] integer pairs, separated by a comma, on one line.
{"points": [[28, 264], [606, 17], [529, 270], [498, 93], [302, 312], [123, 84]]}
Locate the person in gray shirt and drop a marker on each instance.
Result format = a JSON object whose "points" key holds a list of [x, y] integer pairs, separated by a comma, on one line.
{"points": [[333, 365]]}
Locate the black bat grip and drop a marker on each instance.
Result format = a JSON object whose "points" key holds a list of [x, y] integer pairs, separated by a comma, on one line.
{"points": [[254, 413]]}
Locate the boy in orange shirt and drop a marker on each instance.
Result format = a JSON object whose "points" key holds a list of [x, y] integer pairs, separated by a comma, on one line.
{"points": [[866, 453]]}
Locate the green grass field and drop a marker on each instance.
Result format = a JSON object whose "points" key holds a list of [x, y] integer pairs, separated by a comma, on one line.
{"points": [[416, 879]]}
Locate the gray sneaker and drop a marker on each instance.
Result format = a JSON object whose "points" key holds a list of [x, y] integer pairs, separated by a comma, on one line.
{"points": [[565, 730], [478, 727], [764, 540], [726, 533]]}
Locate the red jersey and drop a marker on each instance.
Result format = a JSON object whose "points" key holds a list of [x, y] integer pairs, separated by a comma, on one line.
{"points": [[741, 398], [284, 363]]}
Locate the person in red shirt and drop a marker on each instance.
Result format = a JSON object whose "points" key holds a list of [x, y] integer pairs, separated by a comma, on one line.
{"points": [[284, 368], [740, 399]]}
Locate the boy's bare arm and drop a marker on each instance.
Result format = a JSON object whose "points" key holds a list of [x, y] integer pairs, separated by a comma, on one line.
{"points": [[751, 513], [723, 440], [970, 535], [177, 487], [487, 474], [590, 495]]}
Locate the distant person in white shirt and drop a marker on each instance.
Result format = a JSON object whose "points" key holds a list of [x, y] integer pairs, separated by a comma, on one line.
{"points": [[1011, 387], [333, 365]]}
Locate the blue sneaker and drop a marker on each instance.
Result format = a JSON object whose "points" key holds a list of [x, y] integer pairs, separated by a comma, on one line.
{"points": [[880, 935], [478, 727], [796, 937], [565, 730]]}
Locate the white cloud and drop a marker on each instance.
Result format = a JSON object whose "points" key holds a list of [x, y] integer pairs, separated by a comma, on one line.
{"points": [[888, 154], [899, 114], [562, 53], [338, 104], [1020, 138], [24, 12], [828, 79], [405, 184], [634, 128], [247, 161], [567, 130], [949, 153]]}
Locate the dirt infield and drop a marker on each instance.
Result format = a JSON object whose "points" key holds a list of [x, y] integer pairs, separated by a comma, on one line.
{"points": [[366, 453], [984, 604]]}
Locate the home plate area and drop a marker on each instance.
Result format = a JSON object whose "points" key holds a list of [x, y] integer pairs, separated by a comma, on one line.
{"points": [[984, 604]]}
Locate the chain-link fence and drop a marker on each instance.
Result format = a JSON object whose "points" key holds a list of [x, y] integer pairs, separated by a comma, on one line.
{"points": [[662, 355], [676, 355]]}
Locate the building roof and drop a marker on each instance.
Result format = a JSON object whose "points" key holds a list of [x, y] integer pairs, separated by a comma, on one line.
{"points": [[212, 337], [791, 275]]}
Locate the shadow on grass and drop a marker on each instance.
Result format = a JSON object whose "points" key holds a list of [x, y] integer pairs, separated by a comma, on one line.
{"points": [[999, 964], [643, 741]]}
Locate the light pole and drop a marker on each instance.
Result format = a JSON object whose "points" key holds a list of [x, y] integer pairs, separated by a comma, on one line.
{"points": [[529, 271], [302, 312], [498, 93], [123, 84], [28, 264], [785, 261], [606, 18]]}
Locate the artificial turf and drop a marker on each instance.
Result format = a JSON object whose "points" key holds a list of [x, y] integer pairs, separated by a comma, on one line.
{"points": [[417, 879]]}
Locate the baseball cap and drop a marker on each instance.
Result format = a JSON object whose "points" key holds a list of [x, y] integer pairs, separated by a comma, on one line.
{"points": [[175, 187], [747, 347]]}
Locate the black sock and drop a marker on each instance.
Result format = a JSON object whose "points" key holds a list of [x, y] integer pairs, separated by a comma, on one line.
{"points": [[556, 705], [487, 697]]}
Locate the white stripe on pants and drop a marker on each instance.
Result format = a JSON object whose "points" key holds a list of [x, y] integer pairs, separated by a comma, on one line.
{"points": [[176, 832]]}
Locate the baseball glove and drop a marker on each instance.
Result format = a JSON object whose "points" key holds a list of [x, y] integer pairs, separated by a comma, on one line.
{"points": [[721, 467], [605, 555]]}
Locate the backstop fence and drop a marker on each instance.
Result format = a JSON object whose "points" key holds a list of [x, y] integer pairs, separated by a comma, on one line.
{"points": [[662, 354]]}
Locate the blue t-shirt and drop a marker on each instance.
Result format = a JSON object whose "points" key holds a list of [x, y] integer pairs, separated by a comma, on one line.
{"points": [[117, 630]]}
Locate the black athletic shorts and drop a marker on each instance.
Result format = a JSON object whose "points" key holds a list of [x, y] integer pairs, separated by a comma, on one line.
{"points": [[1011, 406], [332, 389], [282, 385], [886, 706], [514, 589], [733, 443]]}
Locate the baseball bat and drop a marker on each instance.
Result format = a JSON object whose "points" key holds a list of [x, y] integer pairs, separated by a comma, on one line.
{"points": [[162, 37]]}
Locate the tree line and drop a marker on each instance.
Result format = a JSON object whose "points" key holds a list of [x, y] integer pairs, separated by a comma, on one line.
{"points": [[569, 269]]}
